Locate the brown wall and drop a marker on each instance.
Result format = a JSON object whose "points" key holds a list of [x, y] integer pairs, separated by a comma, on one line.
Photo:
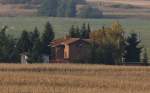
{"points": [[79, 50], [53, 53], [58, 53]]}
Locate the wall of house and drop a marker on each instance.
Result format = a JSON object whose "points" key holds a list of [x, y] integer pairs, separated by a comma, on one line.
{"points": [[58, 53], [80, 50], [53, 53], [66, 51]]}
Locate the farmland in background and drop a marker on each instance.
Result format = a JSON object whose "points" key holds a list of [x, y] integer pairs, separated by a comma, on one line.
{"points": [[18, 10], [123, 8], [71, 78], [143, 3], [110, 8]]}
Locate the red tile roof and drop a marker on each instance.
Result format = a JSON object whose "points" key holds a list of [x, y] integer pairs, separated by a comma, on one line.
{"points": [[63, 41]]}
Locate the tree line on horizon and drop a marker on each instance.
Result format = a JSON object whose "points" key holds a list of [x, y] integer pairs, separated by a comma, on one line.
{"points": [[60, 8], [68, 8], [20, 1], [109, 44], [32, 43]]}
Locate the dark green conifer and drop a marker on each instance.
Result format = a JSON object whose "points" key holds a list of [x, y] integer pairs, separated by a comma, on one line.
{"points": [[24, 43], [47, 37], [133, 51]]}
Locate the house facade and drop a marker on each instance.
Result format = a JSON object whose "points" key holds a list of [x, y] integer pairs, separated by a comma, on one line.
{"points": [[71, 50]]}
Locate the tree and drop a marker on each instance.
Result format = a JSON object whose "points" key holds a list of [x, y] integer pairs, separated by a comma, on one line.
{"points": [[24, 43], [49, 7], [118, 39], [83, 31], [133, 51], [87, 11], [7, 45], [87, 35], [72, 32], [35, 53], [15, 53], [110, 43], [77, 32], [70, 8], [47, 37], [61, 9], [89, 28], [96, 54], [145, 58], [35, 35]]}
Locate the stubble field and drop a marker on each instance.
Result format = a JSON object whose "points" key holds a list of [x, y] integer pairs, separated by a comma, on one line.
{"points": [[73, 78]]}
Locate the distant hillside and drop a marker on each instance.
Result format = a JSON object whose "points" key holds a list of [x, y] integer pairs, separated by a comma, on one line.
{"points": [[19, 7], [20, 1], [25, 1], [145, 3], [110, 8]]}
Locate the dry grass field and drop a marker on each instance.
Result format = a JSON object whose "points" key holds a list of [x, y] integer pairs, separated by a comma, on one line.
{"points": [[73, 78]]}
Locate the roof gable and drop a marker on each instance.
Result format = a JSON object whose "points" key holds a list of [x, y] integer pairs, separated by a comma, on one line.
{"points": [[79, 40], [67, 41]]}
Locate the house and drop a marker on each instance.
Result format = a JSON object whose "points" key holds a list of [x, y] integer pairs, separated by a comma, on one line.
{"points": [[71, 50]]}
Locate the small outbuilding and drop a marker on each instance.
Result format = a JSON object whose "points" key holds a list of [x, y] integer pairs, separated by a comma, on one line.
{"points": [[24, 58]]}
